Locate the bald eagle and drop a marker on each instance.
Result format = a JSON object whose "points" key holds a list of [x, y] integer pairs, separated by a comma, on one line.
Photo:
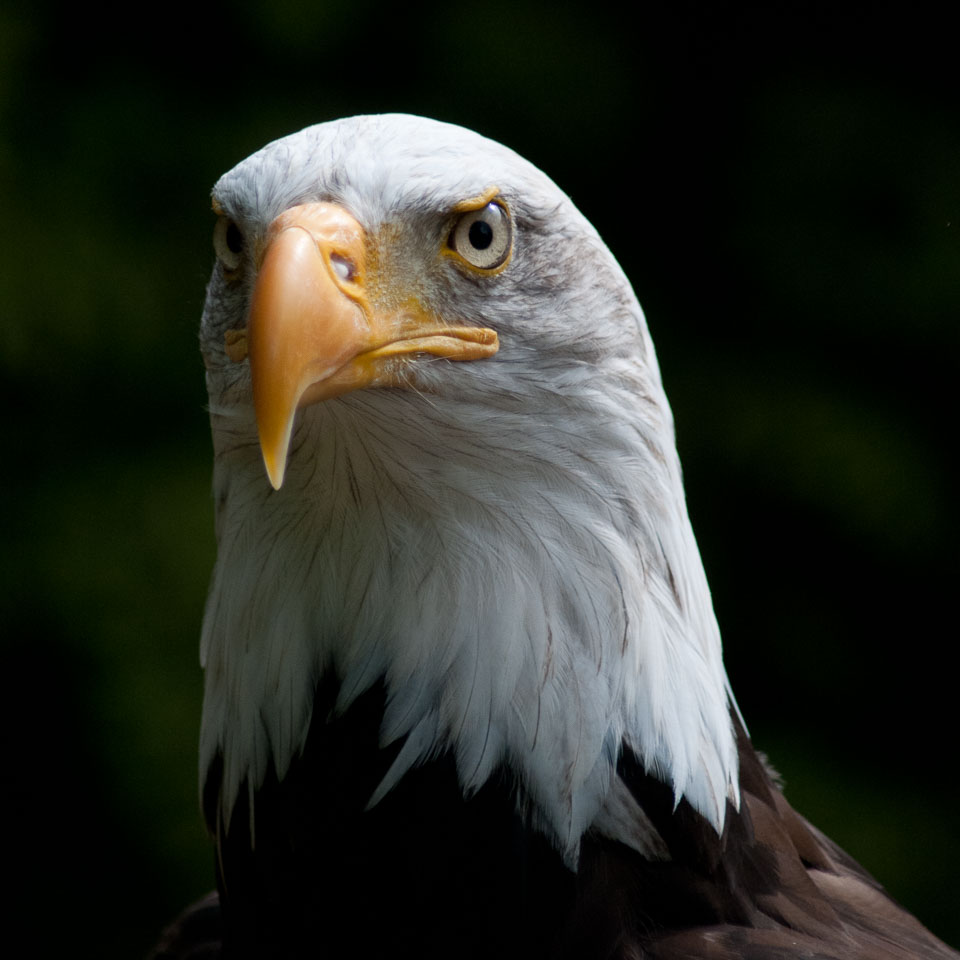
{"points": [[464, 692]]}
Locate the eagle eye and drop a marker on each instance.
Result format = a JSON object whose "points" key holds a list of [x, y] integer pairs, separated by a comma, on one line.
{"points": [[228, 243], [483, 237]]}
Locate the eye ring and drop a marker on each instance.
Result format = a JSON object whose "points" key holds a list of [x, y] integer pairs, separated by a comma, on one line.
{"points": [[484, 237], [228, 243]]}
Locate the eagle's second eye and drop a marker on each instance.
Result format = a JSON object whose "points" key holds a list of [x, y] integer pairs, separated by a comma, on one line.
{"points": [[228, 243], [483, 237]]}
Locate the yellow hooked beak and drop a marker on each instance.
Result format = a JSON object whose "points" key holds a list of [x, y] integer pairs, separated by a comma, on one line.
{"points": [[313, 332]]}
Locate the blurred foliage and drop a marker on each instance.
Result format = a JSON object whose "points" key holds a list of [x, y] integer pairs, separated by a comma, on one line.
{"points": [[781, 184]]}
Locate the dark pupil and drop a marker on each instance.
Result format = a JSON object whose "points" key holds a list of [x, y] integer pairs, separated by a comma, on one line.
{"points": [[234, 238], [481, 234]]}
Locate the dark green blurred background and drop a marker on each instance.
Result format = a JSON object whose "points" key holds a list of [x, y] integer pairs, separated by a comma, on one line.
{"points": [[782, 187]]}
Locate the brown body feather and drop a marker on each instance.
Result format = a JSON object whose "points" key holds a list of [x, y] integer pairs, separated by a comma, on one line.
{"points": [[772, 886], [427, 868]]}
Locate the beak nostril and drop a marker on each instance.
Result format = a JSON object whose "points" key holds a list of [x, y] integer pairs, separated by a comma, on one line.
{"points": [[343, 267]]}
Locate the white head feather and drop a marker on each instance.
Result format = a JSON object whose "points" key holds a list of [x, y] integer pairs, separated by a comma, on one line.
{"points": [[506, 542]]}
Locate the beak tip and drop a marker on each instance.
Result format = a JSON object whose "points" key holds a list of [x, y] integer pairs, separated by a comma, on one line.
{"points": [[275, 459], [275, 471], [274, 435]]}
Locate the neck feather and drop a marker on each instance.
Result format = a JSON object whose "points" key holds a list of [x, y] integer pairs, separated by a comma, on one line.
{"points": [[537, 605]]}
